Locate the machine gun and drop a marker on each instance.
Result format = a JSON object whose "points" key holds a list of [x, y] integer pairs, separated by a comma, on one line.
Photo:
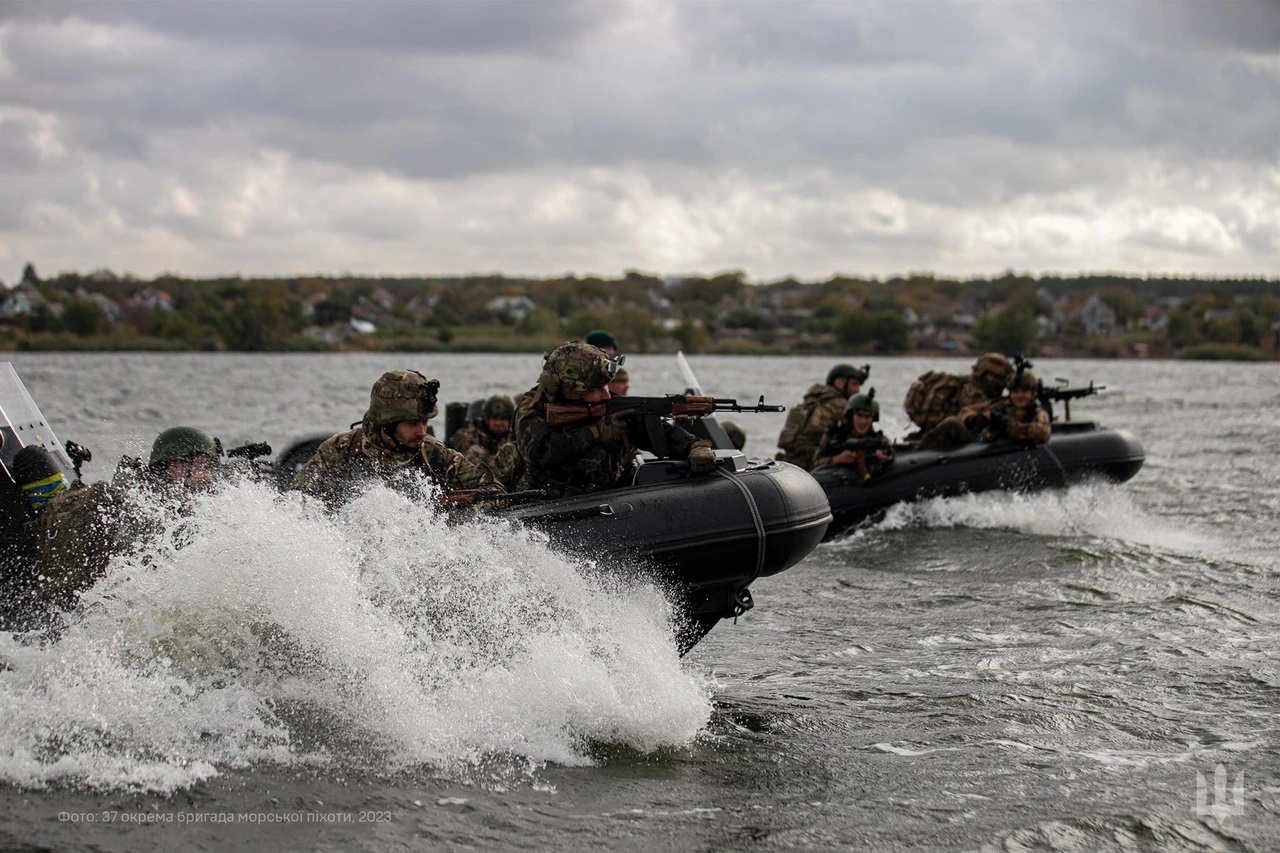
{"points": [[652, 410], [1048, 396]]}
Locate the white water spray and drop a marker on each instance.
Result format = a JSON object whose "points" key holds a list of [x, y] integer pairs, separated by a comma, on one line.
{"points": [[259, 628]]}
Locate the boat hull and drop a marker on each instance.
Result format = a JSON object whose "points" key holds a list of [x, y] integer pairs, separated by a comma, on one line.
{"points": [[1077, 451], [705, 538]]}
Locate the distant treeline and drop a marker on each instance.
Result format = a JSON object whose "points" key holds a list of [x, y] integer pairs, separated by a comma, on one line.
{"points": [[1107, 315]]}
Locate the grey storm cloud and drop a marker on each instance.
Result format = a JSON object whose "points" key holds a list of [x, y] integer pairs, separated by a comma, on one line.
{"points": [[798, 136], [399, 26]]}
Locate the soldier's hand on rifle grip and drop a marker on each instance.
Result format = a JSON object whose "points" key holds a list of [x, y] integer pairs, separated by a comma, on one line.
{"points": [[702, 459], [611, 430]]}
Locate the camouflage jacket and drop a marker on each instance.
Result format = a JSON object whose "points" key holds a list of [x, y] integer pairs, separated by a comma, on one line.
{"points": [[82, 529], [807, 424], [508, 465], [936, 396], [479, 446], [586, 457], [344, 461], [1027, 424]]}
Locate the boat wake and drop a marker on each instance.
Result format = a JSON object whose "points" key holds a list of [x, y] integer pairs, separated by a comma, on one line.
{"points": [[1095, 509], [261, 629]]}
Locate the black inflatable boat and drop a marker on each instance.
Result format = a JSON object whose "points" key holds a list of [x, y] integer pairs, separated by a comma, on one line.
{"points": [[705, 539], [1076, 451]]}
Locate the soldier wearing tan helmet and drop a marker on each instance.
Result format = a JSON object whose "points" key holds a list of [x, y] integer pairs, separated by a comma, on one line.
{"points": [[620, 385], [483, 439], [391, 440], [948, 407], [597, 451], [1019, 417], [806, 428]]}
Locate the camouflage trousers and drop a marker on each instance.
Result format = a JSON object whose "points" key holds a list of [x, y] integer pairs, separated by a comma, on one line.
{"points": [[949, 434]]}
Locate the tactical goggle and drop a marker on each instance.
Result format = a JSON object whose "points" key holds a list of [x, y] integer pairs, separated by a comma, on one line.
{"points": [[427, 400]]}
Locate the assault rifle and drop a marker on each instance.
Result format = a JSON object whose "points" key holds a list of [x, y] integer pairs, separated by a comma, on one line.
{"points": [[652, 410], [866, 445], [252, 450], [866, 449]]}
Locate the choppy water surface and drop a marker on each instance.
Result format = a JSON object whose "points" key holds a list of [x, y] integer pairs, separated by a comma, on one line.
{"points": [[1001, 672]]}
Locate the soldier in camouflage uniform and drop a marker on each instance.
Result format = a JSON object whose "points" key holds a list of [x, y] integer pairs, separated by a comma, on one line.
{"points": [[945, 405], [598, 451], [858, 422], [391, 440], [82, 529], [481, 440], [807, 424], [1019, 417]]}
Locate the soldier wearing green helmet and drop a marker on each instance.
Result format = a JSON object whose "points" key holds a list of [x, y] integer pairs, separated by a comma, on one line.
{"points": [[483, 439], [391, 441], [598, 451], [184, 455], [855, 441], [83, 528], [807, 424]]}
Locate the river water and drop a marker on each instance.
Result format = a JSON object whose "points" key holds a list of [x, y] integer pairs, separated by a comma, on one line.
{"points": [[1095, 669]]}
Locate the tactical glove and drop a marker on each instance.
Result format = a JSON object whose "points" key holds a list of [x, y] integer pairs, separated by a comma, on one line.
{"points": [[611, 431], [702, 459]]}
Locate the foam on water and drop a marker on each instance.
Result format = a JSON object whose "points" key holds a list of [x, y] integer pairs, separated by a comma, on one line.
{"points": [[259, 628], [1090, 509]]}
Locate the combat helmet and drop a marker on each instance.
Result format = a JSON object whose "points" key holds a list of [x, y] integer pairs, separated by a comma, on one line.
{"points": [[992, 372], [402, 395], [865, 403], [1024, 380], [848, 371], [499, 406], [576, 368], [179, 443]]}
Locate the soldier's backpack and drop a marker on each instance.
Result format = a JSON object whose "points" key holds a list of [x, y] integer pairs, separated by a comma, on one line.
{"points": [[933, 397], [796, 419]]}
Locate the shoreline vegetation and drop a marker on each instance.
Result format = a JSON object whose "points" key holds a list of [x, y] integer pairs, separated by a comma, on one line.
{"points": [[1084, 316]]}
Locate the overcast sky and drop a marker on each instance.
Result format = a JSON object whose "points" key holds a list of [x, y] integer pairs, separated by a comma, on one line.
{"points": [[542, 137]]}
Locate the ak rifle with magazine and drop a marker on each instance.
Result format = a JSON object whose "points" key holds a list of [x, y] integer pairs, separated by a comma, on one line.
{"points": [[652, 410]]}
